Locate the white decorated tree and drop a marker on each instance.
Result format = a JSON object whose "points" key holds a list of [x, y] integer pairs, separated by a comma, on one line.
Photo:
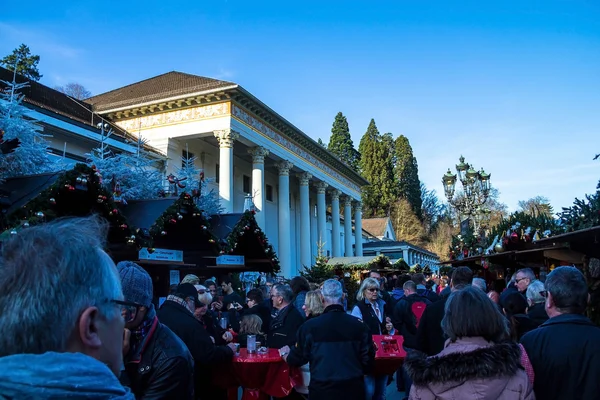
{"points": [[190, 179], [131, 176], [24, 149]]}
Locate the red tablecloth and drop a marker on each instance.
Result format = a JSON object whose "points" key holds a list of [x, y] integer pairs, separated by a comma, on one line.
{"points": [[261, 376]]}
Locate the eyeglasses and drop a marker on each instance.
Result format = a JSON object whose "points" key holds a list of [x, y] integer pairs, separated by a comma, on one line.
{"points": [[128, 310], [201, 291], [519, 280], [373, 289]]}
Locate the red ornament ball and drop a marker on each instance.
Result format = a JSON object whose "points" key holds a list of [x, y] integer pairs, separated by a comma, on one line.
{"points": [[172, 221], [514, 237]]}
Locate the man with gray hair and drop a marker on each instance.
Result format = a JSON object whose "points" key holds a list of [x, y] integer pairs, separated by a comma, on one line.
{"points": [[62, 330], [338, 347], [480, 284], [565, 350], [284, 326], [536, 301]]}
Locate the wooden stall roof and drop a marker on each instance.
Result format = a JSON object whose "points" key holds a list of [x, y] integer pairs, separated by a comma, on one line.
{"points": [[143, 213]]}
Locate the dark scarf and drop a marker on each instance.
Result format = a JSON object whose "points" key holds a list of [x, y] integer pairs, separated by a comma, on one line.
{"points": [[140, 336]]}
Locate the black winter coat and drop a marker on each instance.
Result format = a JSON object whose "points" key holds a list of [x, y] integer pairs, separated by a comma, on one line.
{"points": [[565, 354], [192, 333], [163, 369], [538, 314], [430, 336], [284, 328], [340, 352], [404, 319]]}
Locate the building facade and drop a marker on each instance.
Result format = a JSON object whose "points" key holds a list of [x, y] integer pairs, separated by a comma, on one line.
{"points": [[247, 148]]}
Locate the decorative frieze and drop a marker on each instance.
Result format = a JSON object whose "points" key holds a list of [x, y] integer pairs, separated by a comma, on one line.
{"points": [[175, 117]]}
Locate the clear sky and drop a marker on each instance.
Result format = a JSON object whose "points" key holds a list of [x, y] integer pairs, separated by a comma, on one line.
{"points": [[514, 86]]}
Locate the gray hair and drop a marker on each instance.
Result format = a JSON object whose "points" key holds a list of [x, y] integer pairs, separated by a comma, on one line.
{"points": [[368, 283], [285, 291], [568, 289], [205, 297], [49, 274], [480, 284], [533, 292], [332, 291], [528, 272]]}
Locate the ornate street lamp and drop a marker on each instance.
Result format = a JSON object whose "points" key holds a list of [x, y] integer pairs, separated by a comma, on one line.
{"points": [[476, 188]]}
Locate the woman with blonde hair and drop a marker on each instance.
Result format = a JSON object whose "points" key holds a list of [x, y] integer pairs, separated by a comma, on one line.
{"points": [[313, 304], [370, 309], [250, 325]]}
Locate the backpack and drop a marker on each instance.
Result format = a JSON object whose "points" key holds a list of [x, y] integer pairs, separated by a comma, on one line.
{"points": [[418, 308]]}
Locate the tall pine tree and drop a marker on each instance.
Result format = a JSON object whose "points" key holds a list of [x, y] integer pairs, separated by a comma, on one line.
{"points": [[406, 172], [341, 143], [376, 167]]}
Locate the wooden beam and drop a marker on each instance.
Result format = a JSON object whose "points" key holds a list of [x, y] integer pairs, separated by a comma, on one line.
{"points": [[565, 255]]}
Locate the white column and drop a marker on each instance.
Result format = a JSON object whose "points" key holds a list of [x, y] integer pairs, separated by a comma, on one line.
{"points": [[226, 138], [305, 248], [358, 229], [348, 226], [335, 223], [321, 212], [405, 255], [283, 206], [258, 183]]}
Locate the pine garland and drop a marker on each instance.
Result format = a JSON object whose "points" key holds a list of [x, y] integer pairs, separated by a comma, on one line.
{"points": [[183, 226], [247, 239], [76, 193]]}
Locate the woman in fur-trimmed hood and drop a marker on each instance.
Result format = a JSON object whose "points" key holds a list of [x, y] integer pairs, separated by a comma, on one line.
{"points": [[477, 362]]}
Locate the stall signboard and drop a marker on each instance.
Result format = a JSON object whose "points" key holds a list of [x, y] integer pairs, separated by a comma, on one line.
{"points": [[230, 260], [161, 255]]}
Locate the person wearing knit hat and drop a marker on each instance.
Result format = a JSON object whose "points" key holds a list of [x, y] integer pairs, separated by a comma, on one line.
{"points": [[157, 363]]}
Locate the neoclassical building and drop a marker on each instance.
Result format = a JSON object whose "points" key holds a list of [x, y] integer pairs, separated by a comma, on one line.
{"points": [[307, 199]]}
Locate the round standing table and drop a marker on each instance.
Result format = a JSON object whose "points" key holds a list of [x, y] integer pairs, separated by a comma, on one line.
{"points": [[261, 375]]}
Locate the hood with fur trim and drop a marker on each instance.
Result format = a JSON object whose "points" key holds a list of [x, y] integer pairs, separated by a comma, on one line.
{"points": [[470, 367]]}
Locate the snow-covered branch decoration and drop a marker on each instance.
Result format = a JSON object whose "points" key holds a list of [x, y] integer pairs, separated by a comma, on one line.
{"points": [[24, 149]]}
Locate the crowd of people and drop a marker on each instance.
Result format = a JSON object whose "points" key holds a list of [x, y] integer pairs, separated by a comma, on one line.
{"points": [[75, 325]]}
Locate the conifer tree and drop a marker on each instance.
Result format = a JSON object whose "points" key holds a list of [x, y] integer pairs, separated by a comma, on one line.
{"points": [[340, 142], [376, 167], [23, 62], [29, 154], [406, 172]]}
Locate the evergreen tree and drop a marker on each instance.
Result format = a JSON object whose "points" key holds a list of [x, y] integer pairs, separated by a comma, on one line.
{"points": [[340, 142], [406, 172], [376, 167], [192, 178], [31, 155], [26, 64], [128, 176]]}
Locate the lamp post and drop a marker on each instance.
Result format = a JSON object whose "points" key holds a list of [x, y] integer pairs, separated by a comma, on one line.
{"points": [[476, 187]]}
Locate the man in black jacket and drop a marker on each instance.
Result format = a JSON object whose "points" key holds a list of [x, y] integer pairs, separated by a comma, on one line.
{"points": [[177, 312], [338, 347], [284, 327], [430, 337], [158, 365], [565, 350]]}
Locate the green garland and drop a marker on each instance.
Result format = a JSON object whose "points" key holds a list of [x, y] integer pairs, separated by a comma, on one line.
{"points": [[247, 239], [182, 226], [76, 193]]}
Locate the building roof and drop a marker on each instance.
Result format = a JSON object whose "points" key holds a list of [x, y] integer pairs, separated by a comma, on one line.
{"points": [[375, 226], [18, 191], [50, 101], [350, 260], [171, 84], [394, 244]]}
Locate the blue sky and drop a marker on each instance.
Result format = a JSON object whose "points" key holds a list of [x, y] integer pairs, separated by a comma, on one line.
{"points": [[514, 86]]}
